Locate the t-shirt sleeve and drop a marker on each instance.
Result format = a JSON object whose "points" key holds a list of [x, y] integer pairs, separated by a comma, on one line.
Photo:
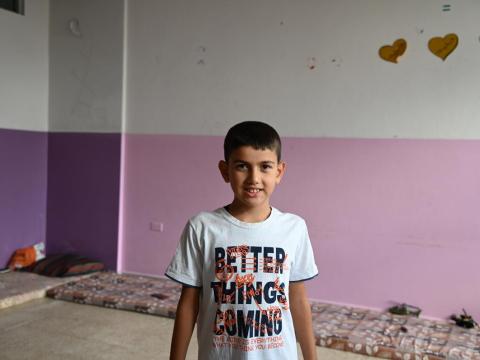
{"points": [[186, 266], [303, 266]]}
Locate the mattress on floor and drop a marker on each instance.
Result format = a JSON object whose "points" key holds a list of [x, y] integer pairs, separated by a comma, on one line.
{"points": [[142, 294], [19, 287], [391, 336]]}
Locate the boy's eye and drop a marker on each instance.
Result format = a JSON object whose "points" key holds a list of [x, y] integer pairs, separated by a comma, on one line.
{"points": [[267, 167], [241, 167]]}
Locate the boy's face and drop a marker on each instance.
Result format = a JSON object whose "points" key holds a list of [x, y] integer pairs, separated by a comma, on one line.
{"points": [[253, 175]]}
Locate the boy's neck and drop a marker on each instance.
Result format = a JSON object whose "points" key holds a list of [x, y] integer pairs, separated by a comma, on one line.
{"points": [[249, 215]]}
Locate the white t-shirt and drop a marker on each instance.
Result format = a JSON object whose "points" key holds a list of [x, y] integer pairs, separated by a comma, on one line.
{"points": [[243, 270]]}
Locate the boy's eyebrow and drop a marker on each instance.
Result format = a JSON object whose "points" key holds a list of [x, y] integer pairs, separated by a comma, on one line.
{"points": [[263, 162]]}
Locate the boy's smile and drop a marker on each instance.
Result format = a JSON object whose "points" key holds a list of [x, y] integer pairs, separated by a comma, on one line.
{"points": [[253, 175]]}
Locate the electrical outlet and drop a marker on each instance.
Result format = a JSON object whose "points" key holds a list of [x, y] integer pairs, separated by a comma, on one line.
{"points": [[156, 226]]}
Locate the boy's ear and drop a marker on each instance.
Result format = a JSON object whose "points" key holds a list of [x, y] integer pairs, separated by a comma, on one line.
{"points": [[223, 167], [281, 167]]}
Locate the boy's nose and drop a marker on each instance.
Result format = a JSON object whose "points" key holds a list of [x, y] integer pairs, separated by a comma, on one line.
{"points": [[254, 176]]}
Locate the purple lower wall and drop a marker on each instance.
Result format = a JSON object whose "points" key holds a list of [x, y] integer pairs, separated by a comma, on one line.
{"points": [[390, 220], [83, 195], [23, 194]]}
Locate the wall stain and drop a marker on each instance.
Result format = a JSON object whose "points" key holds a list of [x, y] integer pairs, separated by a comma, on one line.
{"points": [[202, 51], [337, 61], [420, 244]]}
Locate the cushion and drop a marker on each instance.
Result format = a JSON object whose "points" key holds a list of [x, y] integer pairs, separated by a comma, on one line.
{"points": [[62, 265], [26, 256]]}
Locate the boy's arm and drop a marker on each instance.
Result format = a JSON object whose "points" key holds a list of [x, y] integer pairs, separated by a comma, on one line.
{"points": [[187, 311], [302, 319]]}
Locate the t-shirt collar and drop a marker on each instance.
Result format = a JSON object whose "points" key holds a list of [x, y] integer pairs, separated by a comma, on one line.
{"points": [[223, 211]]}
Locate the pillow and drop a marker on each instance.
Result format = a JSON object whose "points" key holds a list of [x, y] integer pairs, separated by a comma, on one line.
{"points": [[63, 265], [26, 256]]}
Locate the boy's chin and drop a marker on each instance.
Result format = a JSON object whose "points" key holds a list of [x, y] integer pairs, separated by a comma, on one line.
{"points": [[251, 203]]}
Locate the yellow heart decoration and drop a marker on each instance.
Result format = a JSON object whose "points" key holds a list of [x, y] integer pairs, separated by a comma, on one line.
{"points": [[393, 52], [442, 47]]}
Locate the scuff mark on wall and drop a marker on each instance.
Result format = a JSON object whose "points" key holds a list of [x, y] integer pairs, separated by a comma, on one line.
{"points": [[337, 61], [420, 244], [202, 51], [82, 104]]}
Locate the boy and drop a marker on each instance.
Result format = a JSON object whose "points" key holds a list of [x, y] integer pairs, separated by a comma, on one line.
{"points": [[243, 266]]}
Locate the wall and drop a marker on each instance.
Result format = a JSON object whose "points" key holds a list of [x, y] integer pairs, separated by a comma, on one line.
{"points": [[86, 85], [86, 67], [80, 101], [212, 64], [380, 155], [23, 121], [23, 190], [24, 70]]}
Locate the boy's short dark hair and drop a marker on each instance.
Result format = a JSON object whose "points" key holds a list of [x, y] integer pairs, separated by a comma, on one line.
{"points": [[256, 134]]}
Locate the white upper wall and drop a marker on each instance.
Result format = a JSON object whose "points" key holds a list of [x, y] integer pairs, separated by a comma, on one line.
{"points": [[24, 67], [86, 65], [197, 67]]}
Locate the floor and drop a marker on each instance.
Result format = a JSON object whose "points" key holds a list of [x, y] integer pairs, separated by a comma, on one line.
{"points": [[55, 329], [52, 329]]}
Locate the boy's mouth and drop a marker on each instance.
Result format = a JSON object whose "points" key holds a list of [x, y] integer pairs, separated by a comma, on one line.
{"points": [[253, 191]]}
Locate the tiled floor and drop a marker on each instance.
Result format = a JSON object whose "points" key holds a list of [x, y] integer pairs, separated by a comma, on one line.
{"points": [[45, 329]]}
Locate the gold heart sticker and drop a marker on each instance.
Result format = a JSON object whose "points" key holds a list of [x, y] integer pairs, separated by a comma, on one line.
{"points": [[393, 52], [442, 47]]}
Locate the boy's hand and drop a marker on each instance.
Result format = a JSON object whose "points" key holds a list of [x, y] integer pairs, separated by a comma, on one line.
{"points": [[302, 320], [187, 312]]}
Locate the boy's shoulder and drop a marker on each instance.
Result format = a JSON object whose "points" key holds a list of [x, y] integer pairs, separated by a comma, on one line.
{"points": [[287, 217], [206, 217]]}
